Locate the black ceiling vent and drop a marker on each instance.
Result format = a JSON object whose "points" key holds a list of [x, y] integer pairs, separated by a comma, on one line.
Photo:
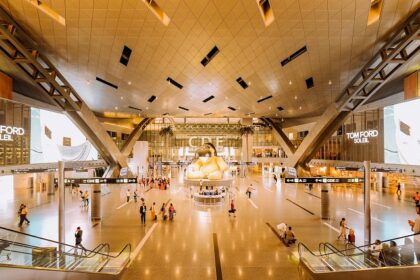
{"points": [[151, 98], [134, 108], [264, 99], [208, 98], [175, 83], [294, 55], [125, 57], [280, 108], [242, 83], [212, 53], [107, 83], [309, 83], [183, 108], [208, 114], [231, 108]]}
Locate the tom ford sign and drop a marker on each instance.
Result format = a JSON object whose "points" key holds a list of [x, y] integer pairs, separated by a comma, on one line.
{"points": [[362, 136], [7, 132]]}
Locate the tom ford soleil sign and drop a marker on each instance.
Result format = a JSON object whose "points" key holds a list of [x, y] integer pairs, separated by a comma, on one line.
{"points": [[7, 132], [362, 136]]}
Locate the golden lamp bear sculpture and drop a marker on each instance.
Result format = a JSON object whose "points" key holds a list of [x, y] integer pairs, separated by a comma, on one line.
{"points": [[207, 165]]}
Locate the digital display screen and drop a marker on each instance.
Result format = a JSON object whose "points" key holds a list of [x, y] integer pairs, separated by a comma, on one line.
{"points": [[55, 137], [402, 133]]}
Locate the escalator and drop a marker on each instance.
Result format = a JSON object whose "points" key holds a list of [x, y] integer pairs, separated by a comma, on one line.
{"points": [[397, 259], [26, 256]]}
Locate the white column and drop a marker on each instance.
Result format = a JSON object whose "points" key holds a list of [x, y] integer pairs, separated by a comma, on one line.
{"points": [[61, 206], [367, 233]]}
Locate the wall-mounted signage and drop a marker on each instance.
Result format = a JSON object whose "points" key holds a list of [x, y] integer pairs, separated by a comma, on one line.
{"points": [[362, 136], [69, 181], [217, 141], [7, 132], [324, 180]]}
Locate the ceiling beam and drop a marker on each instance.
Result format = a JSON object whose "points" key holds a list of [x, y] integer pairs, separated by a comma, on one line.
{"points": [[382, 67], [281, 137], [20, 50]]}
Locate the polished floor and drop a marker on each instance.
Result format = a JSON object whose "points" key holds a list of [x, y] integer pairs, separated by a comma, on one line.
{"points": [[188, 247]]}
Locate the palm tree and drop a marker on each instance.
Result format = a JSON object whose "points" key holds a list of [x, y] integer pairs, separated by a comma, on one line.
{"points": [[246, 131], [166, 132]]}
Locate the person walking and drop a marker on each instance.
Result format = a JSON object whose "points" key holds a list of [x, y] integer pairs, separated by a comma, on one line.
{"points": [[78, 241], [249, 191], [86, 198], [153, 211], [23, 213], [128, 194], [399, 190], [343, 226], [232, 209], [163, 212], [135, 194], [143, 213], [171, 212]]}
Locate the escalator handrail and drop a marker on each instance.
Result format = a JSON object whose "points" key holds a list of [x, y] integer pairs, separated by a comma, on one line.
{"points": [[382, 241], [68, 245], [355, 247]]}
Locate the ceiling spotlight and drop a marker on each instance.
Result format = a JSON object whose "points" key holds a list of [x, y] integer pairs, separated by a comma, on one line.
{"points": [[239, 108], [329, 82], [295, 97], [122, 97], [269, 108], [249, 83], [290, 82], [129, 83], [147, 108], [300, 107], [116, 107], [282, 119]]}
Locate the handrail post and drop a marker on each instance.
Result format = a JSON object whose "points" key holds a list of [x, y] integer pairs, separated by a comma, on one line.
{"points": [[61, 207]]}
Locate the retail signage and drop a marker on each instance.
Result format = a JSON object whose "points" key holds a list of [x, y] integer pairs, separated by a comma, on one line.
{"points": [[81, 181], [7, 132], [217, 141], [362, 136], [324, 180]]}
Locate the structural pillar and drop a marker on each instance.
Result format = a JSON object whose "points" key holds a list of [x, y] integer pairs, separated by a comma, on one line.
{"points": [[50, 183], [95, 205], [325, 201], [61, 207], [379, 181], [367, 233]]}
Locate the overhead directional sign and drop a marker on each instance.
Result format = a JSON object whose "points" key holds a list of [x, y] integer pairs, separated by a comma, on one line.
{"points": [[321, 180], [81, 181]]}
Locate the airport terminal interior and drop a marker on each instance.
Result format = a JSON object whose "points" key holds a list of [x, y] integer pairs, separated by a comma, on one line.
{"points": [[209, 139]]}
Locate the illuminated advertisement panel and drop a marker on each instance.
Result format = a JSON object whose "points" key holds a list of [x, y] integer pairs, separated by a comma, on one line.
{"points": [[402, 133], [54, 137]]}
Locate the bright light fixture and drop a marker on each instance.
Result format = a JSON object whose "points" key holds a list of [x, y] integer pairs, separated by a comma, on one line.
{"points": [[159, 13]]}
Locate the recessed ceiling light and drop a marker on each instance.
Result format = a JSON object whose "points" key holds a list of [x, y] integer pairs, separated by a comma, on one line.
{"points": [[282, 119], [269, 108], [249, 83], [116, 107], [129, 83], [277, 115], [295, 97], [122, 97], [329, 82], [147, 108], [226, 97], [300, 107], [290, 82], [239, 108]]}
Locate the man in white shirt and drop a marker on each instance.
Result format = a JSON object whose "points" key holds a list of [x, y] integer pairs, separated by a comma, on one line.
{"points": [[415, 227]]}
